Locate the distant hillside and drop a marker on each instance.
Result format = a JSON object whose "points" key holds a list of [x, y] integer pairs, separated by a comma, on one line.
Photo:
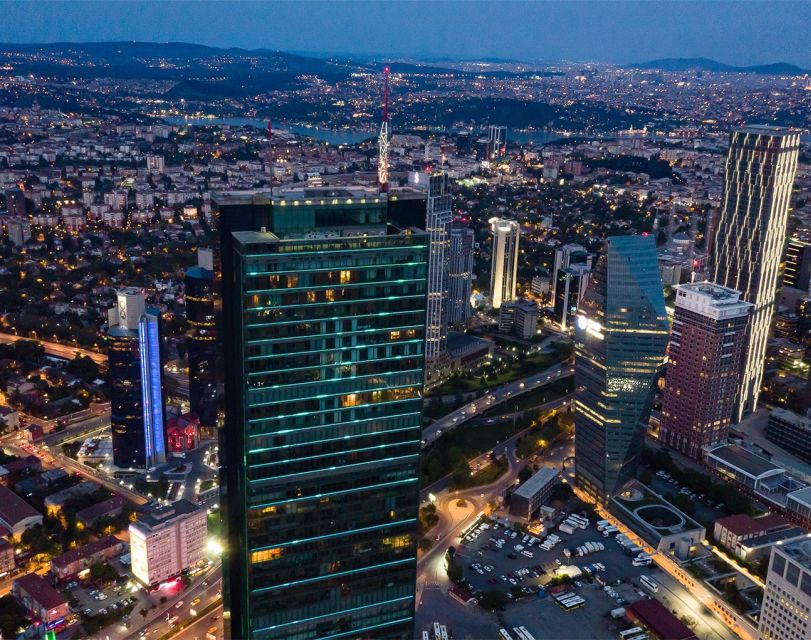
{"points": [[706, 64]]}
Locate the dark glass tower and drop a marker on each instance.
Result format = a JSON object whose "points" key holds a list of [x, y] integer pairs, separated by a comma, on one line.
{"points": [[324, 338], [201, 345], [620, 336]]}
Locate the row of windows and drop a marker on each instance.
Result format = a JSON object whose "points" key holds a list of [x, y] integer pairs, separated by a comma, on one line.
{"points": [[337, 277]]}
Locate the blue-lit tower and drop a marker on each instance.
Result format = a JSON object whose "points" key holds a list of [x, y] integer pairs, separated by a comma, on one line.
{"points": [[151, 388]]}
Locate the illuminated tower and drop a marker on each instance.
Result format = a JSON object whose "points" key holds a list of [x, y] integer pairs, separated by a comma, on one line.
{"points": [[751, 233], [201, 341], [504, 264], [620, 337], [383, 140], [438, 226], [154, 431]]}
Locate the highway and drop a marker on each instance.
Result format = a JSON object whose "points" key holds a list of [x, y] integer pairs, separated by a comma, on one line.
{"points": [[58, 349], [493, 398]]}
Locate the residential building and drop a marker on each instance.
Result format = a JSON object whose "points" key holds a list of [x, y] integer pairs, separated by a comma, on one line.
{"points": [[438, 226], [504, 265], [40, 600], [201, 335], [460, 277], [565, 257], [570, 287], [791, 432], [15, 203], [786, 607], [527, 315], [759, 176], [620, 339], [166, 539], [155, 164], [19, 230], [76, 561], [110, 508], [8, 560], [703, 368], [325, 311]]}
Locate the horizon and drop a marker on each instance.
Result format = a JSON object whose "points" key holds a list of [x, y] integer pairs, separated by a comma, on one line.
{"points": [[620, 33]]}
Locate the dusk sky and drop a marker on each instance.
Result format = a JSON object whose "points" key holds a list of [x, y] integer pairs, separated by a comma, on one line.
{"points": [[732, 32]]}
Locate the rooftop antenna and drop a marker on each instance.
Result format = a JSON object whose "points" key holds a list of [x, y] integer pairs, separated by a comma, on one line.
{"points": [[383, 139]]}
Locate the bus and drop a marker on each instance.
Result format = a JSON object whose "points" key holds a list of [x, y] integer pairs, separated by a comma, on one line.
{"points": [[572, 604], [630, 633], [443, 632], [437, 633], [504, 634], [650, 583], [527, 634]]}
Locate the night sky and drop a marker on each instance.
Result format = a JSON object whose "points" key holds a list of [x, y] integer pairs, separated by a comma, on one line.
{"points": [[621, 32]]}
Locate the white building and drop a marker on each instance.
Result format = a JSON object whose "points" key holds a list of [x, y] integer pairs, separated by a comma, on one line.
{"points": [[155, 164], [496, 141], [166, 539], [527, 315], [786, 608], [760, 168], [504, 266]]}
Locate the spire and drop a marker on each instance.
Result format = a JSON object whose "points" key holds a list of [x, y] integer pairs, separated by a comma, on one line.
{"points": [[383, 139]]}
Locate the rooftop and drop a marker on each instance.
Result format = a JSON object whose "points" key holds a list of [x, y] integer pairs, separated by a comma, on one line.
{"points": [[655, 616], [541, 478], [13, 508], [39, 589], [742, 524], [158, 515], [85, 551], [743, 460], [799, 552]]}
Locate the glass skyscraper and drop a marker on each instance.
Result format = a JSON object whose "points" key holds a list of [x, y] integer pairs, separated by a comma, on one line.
{"points": [[201, 343], [324, 307], [620, 336], [152, 388], [751, 234]]}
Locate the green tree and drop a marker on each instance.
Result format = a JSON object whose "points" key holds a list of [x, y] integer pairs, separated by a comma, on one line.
{"points": [[493, 600], [455, 572]]}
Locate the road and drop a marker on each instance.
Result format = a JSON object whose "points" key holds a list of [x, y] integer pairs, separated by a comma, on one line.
{"points": [[494, 398], [57, 349]]}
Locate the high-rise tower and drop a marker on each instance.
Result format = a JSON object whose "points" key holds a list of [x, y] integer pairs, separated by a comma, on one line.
{"points": [[438, 225], [154, 415], [201, 341], [324, 338], [504, 264], [620, 338], [383, 139], [751, 232], [460, 277], [703, 367]]}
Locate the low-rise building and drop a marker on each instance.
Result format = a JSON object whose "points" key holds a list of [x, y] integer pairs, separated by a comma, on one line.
{"points": [[109, 508], [529, 497], [732, 531], [166, 539], [16, 515], [790, 431], [72, 563], [40, 600], [7, 557]]}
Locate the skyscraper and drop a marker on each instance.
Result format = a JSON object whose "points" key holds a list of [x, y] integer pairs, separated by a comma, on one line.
{"points": [[496, 141], [324, 334], [751, 230], [438, 225], [504, 265], [154, 419], [135, 374], [201, 341], [703, 368], [570, 287], [460, 278], [620, 338], [566, 256], [797, 273]]}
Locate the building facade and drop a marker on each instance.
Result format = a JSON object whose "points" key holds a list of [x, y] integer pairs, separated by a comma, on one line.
{"points": [[620, 339], [797, 271], [566, 256], [325, 330], [786, 607], [201, 335], [154, 418], [167, 539], [791, 432], [703, 369], [750, 236], [438, 225], [496, 141], [460, 277], [504, 265], [570, 286]]}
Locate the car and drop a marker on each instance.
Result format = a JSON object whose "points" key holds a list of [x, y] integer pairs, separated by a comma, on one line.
{"points": [[102, 612], [179, 604], [513, 581], [558, 562], [88, 612]]}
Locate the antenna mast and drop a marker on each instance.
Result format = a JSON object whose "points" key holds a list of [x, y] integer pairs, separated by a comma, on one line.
{"points": [[383, 139]]}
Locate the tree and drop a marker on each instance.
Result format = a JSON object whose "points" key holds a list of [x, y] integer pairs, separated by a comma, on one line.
{"points": [[461, 502], [426, 544], [28, 351], [525, 474], [455, 572], [493, 600]]}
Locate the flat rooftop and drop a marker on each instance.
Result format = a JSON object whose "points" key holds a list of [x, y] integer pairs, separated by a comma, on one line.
{"points": [[538, 481], [799, 552]]}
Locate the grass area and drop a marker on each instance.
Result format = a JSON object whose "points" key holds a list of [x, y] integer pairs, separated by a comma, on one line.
{"points": [[455, 448], [494, 375], [490, 473], [544, 394]]}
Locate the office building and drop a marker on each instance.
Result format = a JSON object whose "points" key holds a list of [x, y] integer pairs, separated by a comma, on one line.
{"points": [[438, 225], [19, 230], [565, 257], [325, 314], [496, 141], [570, 287], [527, 315], [620, 338], [703, 368], [797, 270], [135, 374], [791, 432], [201, 338], [506, 317], [504, 264], [167, 539], [460, 277], [750, 236], [786, 607], [527, 499]]}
